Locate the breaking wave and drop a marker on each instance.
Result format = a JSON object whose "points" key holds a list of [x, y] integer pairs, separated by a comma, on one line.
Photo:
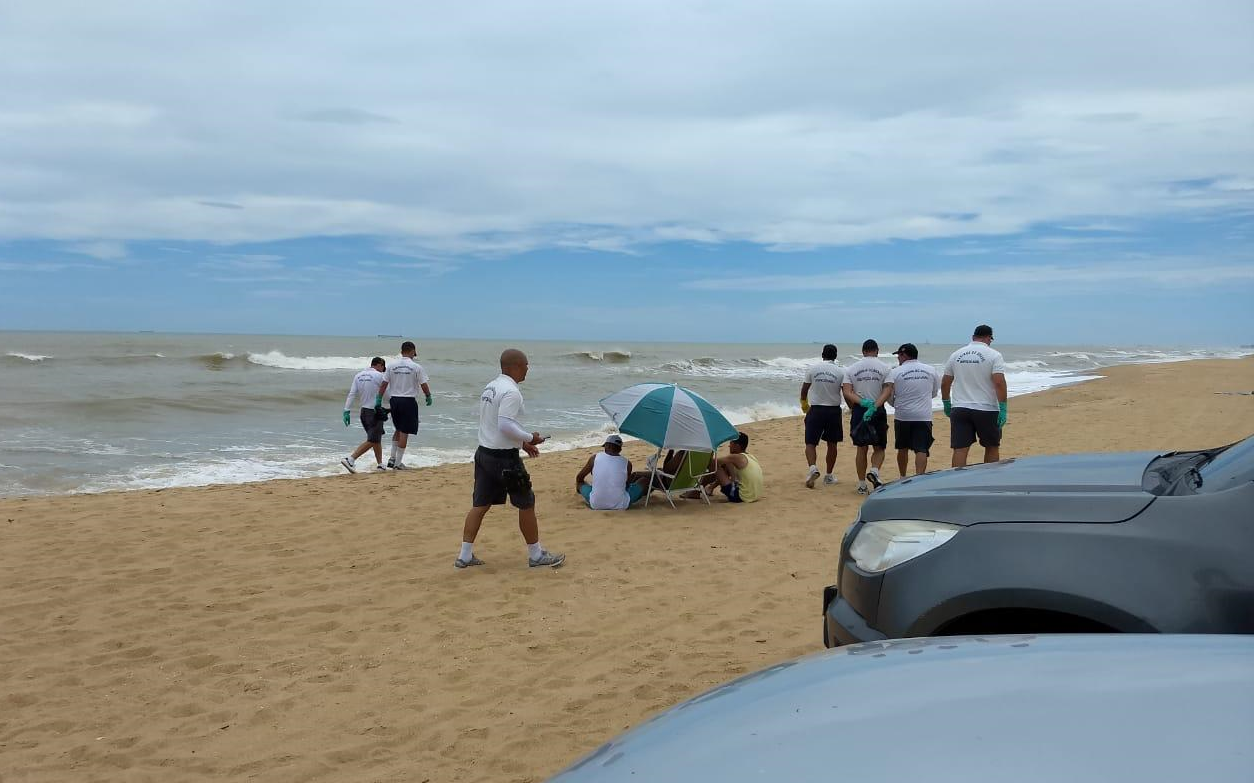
{"points": [[600, 357]]}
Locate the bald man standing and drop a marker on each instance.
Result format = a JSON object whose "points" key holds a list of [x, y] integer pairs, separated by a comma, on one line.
{"points": [[499, 470]]}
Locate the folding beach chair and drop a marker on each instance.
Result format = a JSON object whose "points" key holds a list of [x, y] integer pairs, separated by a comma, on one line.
{"points": [[695, 466]]}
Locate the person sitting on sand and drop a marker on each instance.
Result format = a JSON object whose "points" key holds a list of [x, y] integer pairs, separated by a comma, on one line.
{"points": [[738, 475], [612, 488]]}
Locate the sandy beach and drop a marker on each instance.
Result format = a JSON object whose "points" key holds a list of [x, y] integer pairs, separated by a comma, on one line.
{"points": [[316, 630]]}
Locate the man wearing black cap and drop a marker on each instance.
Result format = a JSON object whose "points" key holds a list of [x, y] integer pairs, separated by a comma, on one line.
{"points": [[611, 488], [911, 385], [974, 395], [864, 380]]}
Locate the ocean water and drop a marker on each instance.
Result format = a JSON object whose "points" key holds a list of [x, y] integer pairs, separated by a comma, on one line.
{"points": [[86, 412]]}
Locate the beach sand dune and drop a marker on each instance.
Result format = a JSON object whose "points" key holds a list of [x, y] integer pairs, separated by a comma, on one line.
{"points": [[316, 630]]}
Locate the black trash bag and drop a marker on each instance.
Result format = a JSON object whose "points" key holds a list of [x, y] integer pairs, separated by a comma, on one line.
{"points": [[381, 414], [863, 433]]}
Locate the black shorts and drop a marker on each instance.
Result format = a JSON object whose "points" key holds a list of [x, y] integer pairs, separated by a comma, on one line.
{"points": [[966, 424], [913, 435], [405, 415], [879, 421], [499, 473], [823, 423], [372, 425]]}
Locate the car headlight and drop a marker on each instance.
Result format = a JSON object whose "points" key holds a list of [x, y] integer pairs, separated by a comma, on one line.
{"points": [[881, 545]]}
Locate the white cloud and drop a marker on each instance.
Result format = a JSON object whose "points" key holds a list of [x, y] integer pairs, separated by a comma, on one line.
{"points": [[1185, 273], [501, 127], [104, 251]]}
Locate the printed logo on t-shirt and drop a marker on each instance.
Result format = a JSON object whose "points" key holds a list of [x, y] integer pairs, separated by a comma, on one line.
{"points": [[969, 357]]}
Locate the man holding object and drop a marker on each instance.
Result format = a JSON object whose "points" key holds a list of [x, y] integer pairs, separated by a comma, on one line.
{"points": [[499, 471]]}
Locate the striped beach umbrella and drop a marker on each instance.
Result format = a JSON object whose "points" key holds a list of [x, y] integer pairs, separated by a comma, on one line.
{"points": [[668, 416]]}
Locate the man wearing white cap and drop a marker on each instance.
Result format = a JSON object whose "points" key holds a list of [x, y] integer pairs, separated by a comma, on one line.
{"points": [[611, 488]]}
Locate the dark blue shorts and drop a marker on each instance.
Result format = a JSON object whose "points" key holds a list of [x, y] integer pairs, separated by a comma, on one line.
{"points": [[732, 490], [823, 423]]}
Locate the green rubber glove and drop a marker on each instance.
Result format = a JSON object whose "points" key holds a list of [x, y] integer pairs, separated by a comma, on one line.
{"points": [[1001, 415], [428, 400], [347, 418], [870, 412], [378, 400], [949, 408], [867, 402]]}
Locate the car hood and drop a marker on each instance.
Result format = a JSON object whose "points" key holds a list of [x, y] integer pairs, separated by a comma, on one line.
{"points": [[1099, 488], [1031, 709]]}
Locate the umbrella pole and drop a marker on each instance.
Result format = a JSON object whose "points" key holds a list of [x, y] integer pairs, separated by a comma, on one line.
{"points": [[648, 493]]}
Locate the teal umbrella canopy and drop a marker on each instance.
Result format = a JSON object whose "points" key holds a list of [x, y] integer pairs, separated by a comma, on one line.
{"points": [[669, 416]]}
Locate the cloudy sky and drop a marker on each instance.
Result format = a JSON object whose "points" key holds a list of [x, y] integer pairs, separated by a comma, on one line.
{"points": [[740, 171]]}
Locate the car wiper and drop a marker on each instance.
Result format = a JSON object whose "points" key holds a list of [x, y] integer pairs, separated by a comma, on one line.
{"points": [[1195, 475]]}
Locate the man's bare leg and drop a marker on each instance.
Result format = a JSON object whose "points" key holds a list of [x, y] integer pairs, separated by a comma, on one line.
{"points": [[903, 456], [378, 452], [859, 463], [877, 458], [831, 456], [920, 463], [960, 457], [812, 455], [474, 518], [992, 453], [528, 525], [362, 449]]}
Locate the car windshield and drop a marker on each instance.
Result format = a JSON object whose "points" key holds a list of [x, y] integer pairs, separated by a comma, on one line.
{"points": [[1191, 472], [1229, 466]]}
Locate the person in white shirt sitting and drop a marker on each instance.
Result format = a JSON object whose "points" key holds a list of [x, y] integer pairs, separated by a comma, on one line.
{"points": [[612, 488]]}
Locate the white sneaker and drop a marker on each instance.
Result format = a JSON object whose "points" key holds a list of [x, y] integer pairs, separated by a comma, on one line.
{"points": [[349, 465], [812, 478], [862, 488], [873, 476], [829, 479], [380, 467]]}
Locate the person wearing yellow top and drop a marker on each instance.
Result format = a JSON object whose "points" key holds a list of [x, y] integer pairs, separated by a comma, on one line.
{"points": [[738, 475]]}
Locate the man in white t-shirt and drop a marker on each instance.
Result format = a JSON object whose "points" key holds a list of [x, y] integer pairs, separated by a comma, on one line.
{"points": [[973, 392], [911, 386], [402, 382], [612, 488], [499, 471], [864, 380], [820, 402], [365, 388]]}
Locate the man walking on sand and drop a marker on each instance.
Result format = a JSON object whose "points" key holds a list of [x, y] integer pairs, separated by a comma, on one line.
{"points": [[402, 381], [499, 471], [820, 402], [911, 386], [864, 380], [973, 392], [365, 389]]}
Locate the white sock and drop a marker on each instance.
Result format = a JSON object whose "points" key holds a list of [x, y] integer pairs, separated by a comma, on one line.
{"points": [[814, 468], [350, 460], [830, 475], [873, 471], [398, 455], [534, 550], [467, 552], [393, 457]]}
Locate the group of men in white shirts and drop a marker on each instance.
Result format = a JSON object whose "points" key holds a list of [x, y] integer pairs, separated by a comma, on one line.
{"points": [[972, 388], [398, 385], [499, 471]]}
